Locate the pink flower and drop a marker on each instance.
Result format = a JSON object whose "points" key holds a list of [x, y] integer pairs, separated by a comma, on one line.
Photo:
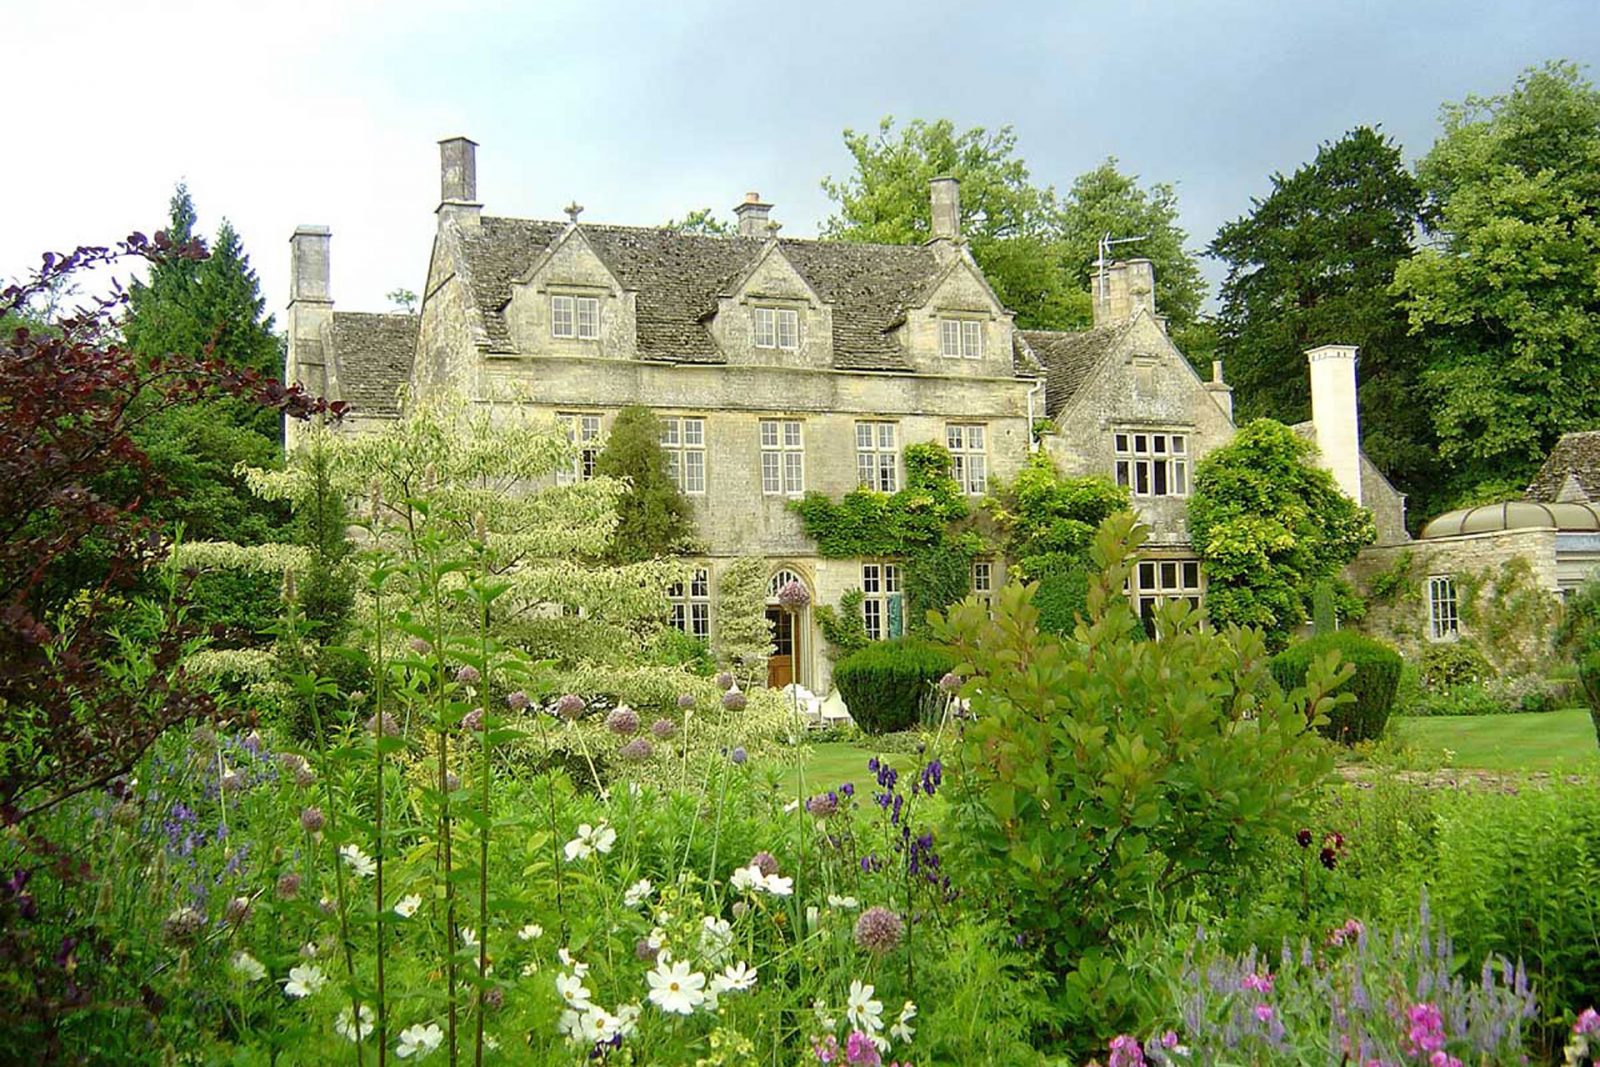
{"points": [[860, 1051], [826, 1049], [1442, 1058], [1588, 1022], [1426, 1033], [1125, 1052], [1258, 983], [1264, 1012]]}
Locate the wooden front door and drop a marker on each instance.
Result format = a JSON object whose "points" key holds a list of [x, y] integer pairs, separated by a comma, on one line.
{"points": [[780, 665]]}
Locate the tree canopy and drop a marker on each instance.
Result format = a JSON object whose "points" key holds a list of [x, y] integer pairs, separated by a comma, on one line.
{"points": [[1506, 296], [1270, 525], [1311, 263], [653, 516], [1035, 247]]}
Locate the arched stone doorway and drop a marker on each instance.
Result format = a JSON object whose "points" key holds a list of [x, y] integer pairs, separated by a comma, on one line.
{"points": [[789, 629]]}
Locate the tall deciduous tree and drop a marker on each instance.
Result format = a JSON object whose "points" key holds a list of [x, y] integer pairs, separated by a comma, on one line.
{"points": [[1506, 297], [211, 308], [1311, 264], [653, 516]]}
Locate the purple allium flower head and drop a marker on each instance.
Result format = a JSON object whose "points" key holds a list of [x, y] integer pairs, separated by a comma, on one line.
{"points": [[312, 820], [638, 750], [419, 646], [734, 700], [725, 680], [950, 682], [288, 886], [686, 700], [517, 700], [468, 675], [237, 910], [823, 804], [664, 729], [183, 924], [623, 721], [738, 755], [570, 706], [644, 950], [472, 721], [878, 930], [765, 862], [390, 725], [793, 596]]}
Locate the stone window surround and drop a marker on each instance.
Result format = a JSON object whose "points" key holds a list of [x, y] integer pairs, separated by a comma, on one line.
{"points": [[1157, 581], [686, 451], [1444, 616], [961, 334], [983, 582], [582, 427], [881, 453], [1163, 471], [768, 322], [783, 463], [969, 462], [578, 302], [882, 586], [690, 610]]}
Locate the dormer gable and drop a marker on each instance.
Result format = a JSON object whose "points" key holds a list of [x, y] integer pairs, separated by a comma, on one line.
{"points": [[958, 324], [769, 314], [570, 302]]}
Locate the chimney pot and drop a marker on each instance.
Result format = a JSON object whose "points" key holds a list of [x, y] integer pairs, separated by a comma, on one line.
{"points": [[945, 195], [752, 215], [309, 265]]}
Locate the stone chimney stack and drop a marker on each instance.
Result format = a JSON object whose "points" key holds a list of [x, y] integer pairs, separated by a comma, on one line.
{"points": [[945, 194], [310, 307], [1127, 288], [458, 181], [1335, 415], [752, 216], [1220, 390]]}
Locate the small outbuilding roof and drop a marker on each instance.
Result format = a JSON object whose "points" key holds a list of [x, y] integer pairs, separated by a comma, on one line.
{"points": [[1514, 515]]}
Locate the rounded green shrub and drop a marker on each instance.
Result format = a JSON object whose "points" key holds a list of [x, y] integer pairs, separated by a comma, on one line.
{"points": [[1373, 685], [1448, 664], [1589, 678], [888, 683]]}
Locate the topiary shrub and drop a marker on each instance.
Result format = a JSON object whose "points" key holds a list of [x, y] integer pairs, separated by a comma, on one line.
{"points": [[1589, 677], [887, 684], [1373, 685]]}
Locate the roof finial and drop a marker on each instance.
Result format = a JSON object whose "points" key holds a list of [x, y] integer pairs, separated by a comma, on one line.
{"points": [[573, 210], [773, 228]]}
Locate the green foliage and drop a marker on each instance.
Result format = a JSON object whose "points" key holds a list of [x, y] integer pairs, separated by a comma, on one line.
{"points": [[744, 636], [702, 222], [237, 608], [1589, 677], [1269, 525], [654, 518], [1578, 632], [1447, 664], [1034, 248], [1104, 773], [1311, 264], [1504, 296], [1512, 617], [674, 648], [1062, 597], [891, 685], [843, 627], [1397, 582], [1377, 674]]}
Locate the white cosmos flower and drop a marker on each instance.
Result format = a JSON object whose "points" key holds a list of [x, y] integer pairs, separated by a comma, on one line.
{"points": [[657, 938], [735, 978], [579, 969], [675, 989], [573, 991], [597, 1025], [590, 839], [847, 903], [304, 980], [408, 906], [419, 1040], [347, 1026], [628, 1018], [360, 863], [638, 893], [863, 1012], [819, 1008], [747, 879], [569, 1025], [793, 805], [716, 936], [248, 967], [902, 1030], [469, 937], [531, 932], [778, 885]]}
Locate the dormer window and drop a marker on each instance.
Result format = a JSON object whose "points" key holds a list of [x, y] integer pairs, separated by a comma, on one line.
{"points": [[776, 327], [960, 339], [575, 317]]}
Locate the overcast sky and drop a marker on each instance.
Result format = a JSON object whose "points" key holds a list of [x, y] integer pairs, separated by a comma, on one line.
{"points": [[329, 111]]}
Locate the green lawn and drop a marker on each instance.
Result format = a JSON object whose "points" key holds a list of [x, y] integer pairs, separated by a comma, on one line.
{"points": [[1550, 741], [835, 762]]}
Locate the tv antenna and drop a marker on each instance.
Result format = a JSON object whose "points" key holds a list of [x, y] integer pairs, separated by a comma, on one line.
{"points": [[1107, 242]]}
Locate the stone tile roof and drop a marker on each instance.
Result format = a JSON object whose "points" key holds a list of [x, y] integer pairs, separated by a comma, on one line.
{"points": [[1576, 455], [372, 356], [678, 278], [1069, 358]]}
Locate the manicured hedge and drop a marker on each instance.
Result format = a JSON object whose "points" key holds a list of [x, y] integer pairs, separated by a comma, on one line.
{"points": [[1376, 678], [887, 684]]}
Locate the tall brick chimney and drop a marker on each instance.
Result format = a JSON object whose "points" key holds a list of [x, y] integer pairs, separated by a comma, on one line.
{"points": [[1126, 288], [458, 181], [310, 312], [753, 214]]}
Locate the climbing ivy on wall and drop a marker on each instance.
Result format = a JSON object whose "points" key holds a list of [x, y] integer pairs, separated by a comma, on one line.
{"points": [[924, 526]]}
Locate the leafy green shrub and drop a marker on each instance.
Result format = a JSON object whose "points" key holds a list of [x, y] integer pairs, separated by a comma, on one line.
{"points": [[843, 627], [887, 684], [238, 608], [1522, 694], [1589, 676], [1376, 678], [1106, 774], [674, 648], [1447, 664], [1063, 598]]}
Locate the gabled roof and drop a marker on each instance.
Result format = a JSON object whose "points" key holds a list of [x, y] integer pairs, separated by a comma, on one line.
{"points": [[372, 357], [1069, 358], [1576, 456], [678, 278]]}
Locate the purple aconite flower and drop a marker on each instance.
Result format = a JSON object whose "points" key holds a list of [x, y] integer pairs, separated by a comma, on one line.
{"points": [[570, 706], [468, 675], [793, 596], [878, 930], [623, 721], [517, 700], [664, 729], [637, 750], [734, 700]]}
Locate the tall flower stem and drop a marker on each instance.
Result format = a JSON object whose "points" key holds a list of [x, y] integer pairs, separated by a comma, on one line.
{"points": [[379, 679], [555, 833], [483, 796], [446, 830]]}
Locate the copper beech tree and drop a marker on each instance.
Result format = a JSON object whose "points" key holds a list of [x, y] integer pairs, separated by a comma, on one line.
{"points": [[90, 662]]}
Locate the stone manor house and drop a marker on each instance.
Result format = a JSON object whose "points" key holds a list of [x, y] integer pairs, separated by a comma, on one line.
{"points": [[781, 366]]}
